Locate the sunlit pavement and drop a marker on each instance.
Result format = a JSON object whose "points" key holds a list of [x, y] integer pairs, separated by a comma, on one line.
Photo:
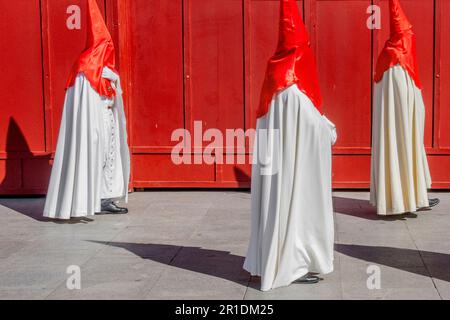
{"points": [[191, 245]]}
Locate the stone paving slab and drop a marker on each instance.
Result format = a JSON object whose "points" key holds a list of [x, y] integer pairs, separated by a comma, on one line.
{"points": [[192, 244]]}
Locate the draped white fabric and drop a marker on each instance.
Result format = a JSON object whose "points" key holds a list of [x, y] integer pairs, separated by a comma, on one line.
{"points": [[400, 173], [113, 181], [84, 171], [292, 209]]}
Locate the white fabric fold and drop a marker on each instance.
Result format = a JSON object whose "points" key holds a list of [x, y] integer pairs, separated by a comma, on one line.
{"points": [[400, 175], [77, 183], [292, 210]]}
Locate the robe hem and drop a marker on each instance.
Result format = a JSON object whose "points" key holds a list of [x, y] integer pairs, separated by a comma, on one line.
{"points": [[256, 274]]}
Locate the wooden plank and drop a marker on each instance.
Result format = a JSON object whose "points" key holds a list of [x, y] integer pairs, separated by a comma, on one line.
{"points": [[160, 168], [214, 64], [22, 109], [156, 71], [343, 44], [444, 76], [63, 46]]}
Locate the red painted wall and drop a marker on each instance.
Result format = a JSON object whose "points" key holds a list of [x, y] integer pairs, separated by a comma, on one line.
{"points": [[204, 60]]}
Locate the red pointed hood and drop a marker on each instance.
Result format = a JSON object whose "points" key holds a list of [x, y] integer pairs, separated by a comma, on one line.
{"points": [[99, 53], [401, 46], [294, 61]]}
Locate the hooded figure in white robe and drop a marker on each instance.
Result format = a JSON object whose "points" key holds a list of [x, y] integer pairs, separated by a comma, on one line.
{"points": [[292, 211], [400, 176], [92, 164]]}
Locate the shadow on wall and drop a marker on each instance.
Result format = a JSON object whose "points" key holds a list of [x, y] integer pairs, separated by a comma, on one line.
{"points": [[244, 180], [23, 171], [15, 180]]}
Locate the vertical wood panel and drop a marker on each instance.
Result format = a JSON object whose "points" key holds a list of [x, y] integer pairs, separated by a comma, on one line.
{"points": [[156, 72], [21, 76], [444, 76], [22, 126], [214, 64], [344, 47]]}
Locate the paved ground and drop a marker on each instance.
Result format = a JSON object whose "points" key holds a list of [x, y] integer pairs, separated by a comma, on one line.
{"points": [[190, 245]]}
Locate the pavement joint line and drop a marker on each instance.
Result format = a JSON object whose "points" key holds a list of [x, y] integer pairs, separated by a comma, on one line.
{"points": [[340, 278], [337, 240], [59, 284], [150, 290], [423, 260], [83, 264], [178, 251], [175, 255]]}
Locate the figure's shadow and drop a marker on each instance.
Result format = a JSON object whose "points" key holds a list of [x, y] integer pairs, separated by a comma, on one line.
{"points": [[33, 207], [219, 264], [437, 264], [242, 177], [364, 210], [17, 149]]}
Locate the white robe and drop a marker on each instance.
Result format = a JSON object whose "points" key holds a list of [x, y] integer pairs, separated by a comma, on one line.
{"points": [[292, 210], [92, 160], [400, 175]]}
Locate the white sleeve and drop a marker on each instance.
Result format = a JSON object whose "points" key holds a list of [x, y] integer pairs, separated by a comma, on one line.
{"points": [[114, 78], [333, 130], [107, 73]]}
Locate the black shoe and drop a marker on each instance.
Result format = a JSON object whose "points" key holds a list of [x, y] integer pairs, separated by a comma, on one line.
{"points": [[308, 279], [112, 208], [433, 202]]}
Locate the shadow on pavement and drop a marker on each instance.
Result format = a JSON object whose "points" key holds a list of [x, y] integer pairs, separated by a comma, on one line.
{"points": [[34, 208], [437, 265], [364, 210], [30, 207], [220, 264]]}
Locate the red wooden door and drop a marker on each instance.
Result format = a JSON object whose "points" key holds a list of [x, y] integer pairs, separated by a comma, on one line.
{"points": [[22, 124], [343, 46], [157, 88], [185, 61], [187, 67], [440, 152]]}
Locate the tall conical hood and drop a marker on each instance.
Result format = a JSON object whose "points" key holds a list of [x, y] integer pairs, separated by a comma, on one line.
{"points": [[294, 61], [399, 21], [292, 31], [99, 53], [401, 46], [97, 31]]}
